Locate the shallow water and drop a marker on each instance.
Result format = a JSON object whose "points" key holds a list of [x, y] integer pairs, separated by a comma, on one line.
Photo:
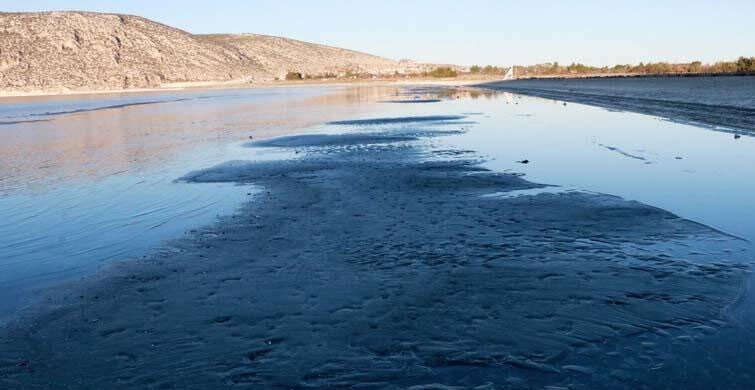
{"points": [[695, 172], [89, 179], [97, 216], [692, 171]]}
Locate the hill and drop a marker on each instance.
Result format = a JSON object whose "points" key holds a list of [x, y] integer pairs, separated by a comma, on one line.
{"points": [[277, 56], [68, 51]]}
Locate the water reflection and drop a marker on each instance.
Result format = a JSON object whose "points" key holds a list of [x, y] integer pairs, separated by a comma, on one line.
{"points": [[94, 143], [95, 180], [694, 172]]}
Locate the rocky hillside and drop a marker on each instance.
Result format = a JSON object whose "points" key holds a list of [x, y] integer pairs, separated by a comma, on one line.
{"points": [[59, 51], [277, 55]]}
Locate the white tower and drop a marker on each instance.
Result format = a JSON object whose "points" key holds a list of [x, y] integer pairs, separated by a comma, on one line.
{"points": [[510, 74]]}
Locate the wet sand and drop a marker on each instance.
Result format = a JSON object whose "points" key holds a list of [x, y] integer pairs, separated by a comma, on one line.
{"points": [[377, 260], [723, 103]]}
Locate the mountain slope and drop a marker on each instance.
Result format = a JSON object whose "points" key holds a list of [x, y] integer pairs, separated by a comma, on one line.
{"points": [[280, 55], [58, 51]]}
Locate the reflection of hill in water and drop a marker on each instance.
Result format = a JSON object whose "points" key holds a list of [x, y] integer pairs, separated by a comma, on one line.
{"points": [[94, 139]]}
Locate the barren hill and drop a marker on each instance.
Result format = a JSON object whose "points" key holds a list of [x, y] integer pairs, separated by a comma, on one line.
{"points": [[278, 56], [58, 51]]}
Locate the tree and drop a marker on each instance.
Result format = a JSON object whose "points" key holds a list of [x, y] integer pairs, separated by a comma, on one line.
{"points": [[745, 64], [442, 72]]}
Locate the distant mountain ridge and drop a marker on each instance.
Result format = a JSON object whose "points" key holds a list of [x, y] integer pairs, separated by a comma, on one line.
{"points": [[69, 51]]}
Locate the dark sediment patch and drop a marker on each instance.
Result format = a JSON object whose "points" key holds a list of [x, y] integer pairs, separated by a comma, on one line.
{"points": [[110, 107], [330, 140], [371, 266], [350, 139], [621, 152], [412, 101], [399, 120], [8, 123], [51, 114]]}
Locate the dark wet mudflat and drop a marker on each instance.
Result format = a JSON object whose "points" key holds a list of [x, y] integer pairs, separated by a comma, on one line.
{"points": [[726, 103], [404, 101], [378, 259]]}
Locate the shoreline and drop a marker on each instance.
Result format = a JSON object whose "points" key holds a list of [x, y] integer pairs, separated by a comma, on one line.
{"points": [[632, 75], [202, 86], [731, 114]]}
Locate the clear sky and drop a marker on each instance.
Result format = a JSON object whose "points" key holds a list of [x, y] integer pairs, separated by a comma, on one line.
{"points": [[468, 32]]}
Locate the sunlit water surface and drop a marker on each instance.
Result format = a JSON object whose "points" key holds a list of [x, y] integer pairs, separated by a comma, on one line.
{"points": [[84, 180], [89, 179]]}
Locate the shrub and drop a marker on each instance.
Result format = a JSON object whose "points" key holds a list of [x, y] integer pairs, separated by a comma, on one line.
{"points": [[745, 64], [294, 76], [442, 72]]}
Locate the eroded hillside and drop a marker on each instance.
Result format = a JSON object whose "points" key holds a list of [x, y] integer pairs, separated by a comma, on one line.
{"points": [[63, 51]]}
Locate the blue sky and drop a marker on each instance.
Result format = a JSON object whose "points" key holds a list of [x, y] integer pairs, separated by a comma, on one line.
{"points": [[468, 32]]}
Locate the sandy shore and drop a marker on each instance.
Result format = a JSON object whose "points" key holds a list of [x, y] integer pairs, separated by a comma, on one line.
{"points": [[200, 86], [376, 260]]}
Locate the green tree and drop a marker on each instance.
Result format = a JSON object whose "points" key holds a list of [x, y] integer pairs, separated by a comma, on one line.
{"points": [[745, 64], [443, 72]]}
